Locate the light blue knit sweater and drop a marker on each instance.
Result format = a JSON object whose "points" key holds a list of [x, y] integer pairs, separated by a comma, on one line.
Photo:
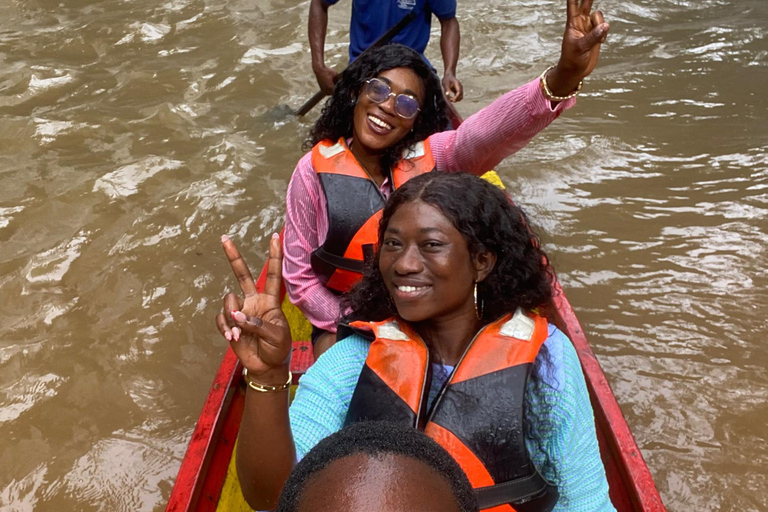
{"points": [[565, 450]]}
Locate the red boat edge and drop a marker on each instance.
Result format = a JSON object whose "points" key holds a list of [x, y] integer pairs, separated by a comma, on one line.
{"points": [[206, 437], [631, 485], [204, 466]]}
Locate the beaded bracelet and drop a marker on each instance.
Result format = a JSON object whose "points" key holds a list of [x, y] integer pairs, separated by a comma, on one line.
{"points": [[264, 388], [548, 94]]}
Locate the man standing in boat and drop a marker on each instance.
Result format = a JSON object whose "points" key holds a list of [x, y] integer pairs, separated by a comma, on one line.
{"points": [[370, 19]]}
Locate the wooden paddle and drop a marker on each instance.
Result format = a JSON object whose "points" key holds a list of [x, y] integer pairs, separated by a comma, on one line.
{"points": [[384, 39]]}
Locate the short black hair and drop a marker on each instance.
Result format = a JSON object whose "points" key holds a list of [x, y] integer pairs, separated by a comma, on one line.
{"points": [[375, 438]]}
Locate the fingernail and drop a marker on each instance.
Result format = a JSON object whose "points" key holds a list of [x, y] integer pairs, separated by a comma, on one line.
{"points": [[239, 316], [224, 238], [236, 333], [275, 235], [228, 335]]}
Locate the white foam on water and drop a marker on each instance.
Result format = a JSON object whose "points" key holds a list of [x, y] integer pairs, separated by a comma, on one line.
{"points": [[52, 311], [22, 495], [128, 242], [689, 102], [126, 180], [145, 32], [151, 295], [177, 5], [153, 32], [224, 83], [165, 233], [185, 109], [257, 55], [711, 48], [25, 393], [48, 129], [38, 85], [176, 51], [51, 265], [5, 214], [201, 305], [184, 24], [202, 281]]}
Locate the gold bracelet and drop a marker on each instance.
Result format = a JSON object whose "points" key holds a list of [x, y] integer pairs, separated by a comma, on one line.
{"points": [[264, 388], [548, 94]]}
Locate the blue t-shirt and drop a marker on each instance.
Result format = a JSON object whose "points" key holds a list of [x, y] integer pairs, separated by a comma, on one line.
{"points": [[371, 18]]}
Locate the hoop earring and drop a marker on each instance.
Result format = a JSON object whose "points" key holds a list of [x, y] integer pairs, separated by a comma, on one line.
{"points": [[478, 305]]}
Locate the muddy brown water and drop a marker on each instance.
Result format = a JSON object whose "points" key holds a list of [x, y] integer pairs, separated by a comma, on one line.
{"points": [[134, 133]]}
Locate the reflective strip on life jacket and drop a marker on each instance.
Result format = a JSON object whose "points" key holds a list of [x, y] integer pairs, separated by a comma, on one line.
{"points": [[384, 356]]}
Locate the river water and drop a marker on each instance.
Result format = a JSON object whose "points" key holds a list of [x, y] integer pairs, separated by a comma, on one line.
{"points": [[134, 133]]}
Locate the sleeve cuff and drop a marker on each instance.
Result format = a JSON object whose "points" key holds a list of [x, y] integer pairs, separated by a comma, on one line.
{"points": [[541, 105]]}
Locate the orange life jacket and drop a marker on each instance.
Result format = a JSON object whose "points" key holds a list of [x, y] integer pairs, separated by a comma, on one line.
{"points": [[354, 203], [477, 416]]}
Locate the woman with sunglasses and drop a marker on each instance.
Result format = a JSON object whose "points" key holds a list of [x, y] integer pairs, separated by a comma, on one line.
{"points": [[441, 335], [381, 127]]}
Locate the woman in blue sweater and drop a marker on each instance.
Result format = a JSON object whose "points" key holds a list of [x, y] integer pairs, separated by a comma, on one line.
{"points": [[441, 335]]}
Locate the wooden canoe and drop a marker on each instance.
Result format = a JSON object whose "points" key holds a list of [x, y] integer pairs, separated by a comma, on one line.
{"points": [[207, 480]]}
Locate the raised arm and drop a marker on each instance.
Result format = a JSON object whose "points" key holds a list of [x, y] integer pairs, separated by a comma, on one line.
{"points": [[258, 333], [510, 122], [450, 39], [317, 27]]}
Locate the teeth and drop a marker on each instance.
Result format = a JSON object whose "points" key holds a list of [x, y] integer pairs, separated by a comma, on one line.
{"points": [[408, 289], [379, 122]]}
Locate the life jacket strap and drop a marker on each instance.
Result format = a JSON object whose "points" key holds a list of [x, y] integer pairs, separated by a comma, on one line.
{"points": [[519, 492], [339, 261], [344, 330]]}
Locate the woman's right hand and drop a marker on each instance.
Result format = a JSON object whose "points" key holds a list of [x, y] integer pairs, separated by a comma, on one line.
{"points": [[255, 325], [585, 32]]}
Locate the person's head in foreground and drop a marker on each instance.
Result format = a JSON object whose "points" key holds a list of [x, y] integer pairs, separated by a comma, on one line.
{"points": [[377, 466], [452, 248]]}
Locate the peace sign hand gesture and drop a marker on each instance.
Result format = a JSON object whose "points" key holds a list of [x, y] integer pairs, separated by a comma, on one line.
{"points": [[256, 327], [585, 31]]}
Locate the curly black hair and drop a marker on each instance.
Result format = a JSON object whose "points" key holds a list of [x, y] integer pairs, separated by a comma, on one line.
{"points": [[488, 220], [336, 119], [377, 438]]}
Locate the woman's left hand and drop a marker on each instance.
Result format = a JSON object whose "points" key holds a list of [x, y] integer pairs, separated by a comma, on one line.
{"points": [[255, 324], [585, 31]]}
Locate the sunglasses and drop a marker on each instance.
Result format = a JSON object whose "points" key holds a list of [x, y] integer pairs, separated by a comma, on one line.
{"points": [[378, 91]]}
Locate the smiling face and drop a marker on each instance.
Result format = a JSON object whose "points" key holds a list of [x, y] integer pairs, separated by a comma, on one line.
{"points": [[427, 267], [376, 125]]}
